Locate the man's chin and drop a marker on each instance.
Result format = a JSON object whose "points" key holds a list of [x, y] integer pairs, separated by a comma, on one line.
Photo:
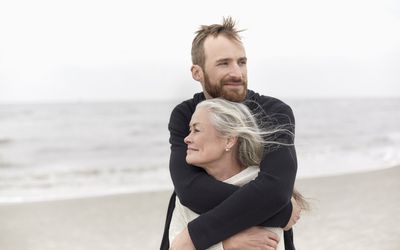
{"points": [[235, 96]]}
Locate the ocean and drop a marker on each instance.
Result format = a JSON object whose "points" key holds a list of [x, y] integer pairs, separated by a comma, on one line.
{"points": [[68, 150]]}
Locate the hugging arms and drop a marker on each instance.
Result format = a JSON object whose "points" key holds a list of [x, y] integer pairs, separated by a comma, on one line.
{"points": [[226, 209]]}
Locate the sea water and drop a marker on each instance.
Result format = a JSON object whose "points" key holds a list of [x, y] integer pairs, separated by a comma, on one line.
{"points": [[67, 150]]}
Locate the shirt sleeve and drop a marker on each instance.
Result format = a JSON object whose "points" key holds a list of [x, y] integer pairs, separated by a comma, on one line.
{"points": [[195, 188], [225, 209]]}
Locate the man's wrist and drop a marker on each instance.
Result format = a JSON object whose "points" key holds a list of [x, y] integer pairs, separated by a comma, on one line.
{"points": [[192, 234], [288, 213]]}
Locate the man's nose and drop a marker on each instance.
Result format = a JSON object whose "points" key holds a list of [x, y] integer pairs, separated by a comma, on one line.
{"points": [[235, 71]]}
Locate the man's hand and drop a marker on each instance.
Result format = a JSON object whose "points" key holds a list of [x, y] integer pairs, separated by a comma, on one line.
{"points": [[251, 239], [182, 241], [295, 215]]}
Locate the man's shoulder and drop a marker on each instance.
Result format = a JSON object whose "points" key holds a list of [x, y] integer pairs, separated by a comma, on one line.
{"points": [[191, 103], [268, 103], [187, 107], [275, 110]]}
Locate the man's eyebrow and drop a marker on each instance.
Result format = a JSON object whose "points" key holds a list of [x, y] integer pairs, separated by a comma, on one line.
{"points": [[223, 60], [229, 59]]}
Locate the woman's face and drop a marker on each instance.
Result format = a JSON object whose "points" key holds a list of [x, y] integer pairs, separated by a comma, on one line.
{"points": [[205, 145]]}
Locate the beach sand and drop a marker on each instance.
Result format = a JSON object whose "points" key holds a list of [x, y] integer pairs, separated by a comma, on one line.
{"points": [[353, 211]]}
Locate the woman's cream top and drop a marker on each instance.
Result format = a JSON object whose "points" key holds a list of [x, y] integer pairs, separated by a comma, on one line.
{"points": [[183, 215]]}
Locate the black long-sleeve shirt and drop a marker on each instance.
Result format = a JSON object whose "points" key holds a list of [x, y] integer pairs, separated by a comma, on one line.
{"points": [[227, 209]]}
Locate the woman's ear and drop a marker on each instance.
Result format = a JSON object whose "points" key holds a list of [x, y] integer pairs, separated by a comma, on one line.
{"points": [[197, 73], [231, 142]]}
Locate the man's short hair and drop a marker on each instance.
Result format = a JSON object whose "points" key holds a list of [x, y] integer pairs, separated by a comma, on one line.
{"points": [[227, 28]]}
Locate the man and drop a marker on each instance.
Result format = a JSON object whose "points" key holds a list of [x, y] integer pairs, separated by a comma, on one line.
{"points": [[228, 213]]}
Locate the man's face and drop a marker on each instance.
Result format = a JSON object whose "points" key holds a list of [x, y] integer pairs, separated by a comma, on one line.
{"points": [[225, 70]]}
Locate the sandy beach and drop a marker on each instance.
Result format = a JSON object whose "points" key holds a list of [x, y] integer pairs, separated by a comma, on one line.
{"points": [[353, 211]]}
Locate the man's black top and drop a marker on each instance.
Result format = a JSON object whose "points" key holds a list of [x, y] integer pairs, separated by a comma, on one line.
{"points": [[226, 209]]}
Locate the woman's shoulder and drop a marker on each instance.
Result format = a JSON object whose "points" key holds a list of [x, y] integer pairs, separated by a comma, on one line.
{"points": [[244, 176]]}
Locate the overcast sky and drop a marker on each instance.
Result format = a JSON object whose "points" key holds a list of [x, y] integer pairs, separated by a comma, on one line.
{"points": [[88, 50]]}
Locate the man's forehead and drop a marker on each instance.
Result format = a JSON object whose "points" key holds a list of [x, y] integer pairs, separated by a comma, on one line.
{"points": [[221, 47], [220, 41]]}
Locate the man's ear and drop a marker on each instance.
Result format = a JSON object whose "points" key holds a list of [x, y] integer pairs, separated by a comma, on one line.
{"points": [[197, 72]]}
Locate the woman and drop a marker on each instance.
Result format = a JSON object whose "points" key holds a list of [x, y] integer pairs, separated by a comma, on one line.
{"points": [[226, 141]]}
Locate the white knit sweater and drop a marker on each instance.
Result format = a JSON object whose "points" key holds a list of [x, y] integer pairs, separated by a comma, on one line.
{"points": [[183, 215]]}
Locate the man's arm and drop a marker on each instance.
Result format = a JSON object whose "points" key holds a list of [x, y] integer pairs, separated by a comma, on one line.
{"points": [[252, 204], [195, 188], [253, 238]]}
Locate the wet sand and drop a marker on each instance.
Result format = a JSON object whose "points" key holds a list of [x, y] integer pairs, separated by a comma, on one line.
{"points": [[353, 211]]}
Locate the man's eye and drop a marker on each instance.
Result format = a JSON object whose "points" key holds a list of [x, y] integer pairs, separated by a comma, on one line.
{"points": [[222, 63]]}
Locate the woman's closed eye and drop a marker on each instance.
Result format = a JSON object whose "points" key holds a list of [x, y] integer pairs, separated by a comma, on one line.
{"points": [[195, 130]]}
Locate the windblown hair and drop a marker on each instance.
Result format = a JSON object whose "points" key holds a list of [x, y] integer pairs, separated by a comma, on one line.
{"points": [[227, 28], [233, 119]]}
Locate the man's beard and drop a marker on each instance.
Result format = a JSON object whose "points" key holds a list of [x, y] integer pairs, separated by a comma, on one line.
{"points": [[218, 90]]}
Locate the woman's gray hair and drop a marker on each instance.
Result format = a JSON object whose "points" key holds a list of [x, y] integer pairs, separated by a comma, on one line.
{"points": [[255, 132], [233, 119]]}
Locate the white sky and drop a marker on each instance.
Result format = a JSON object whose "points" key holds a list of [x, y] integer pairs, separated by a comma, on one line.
{"points": [[84, 50]]}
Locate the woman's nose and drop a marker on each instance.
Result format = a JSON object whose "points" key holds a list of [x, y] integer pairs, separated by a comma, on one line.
{"points": [[187, 139]]}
